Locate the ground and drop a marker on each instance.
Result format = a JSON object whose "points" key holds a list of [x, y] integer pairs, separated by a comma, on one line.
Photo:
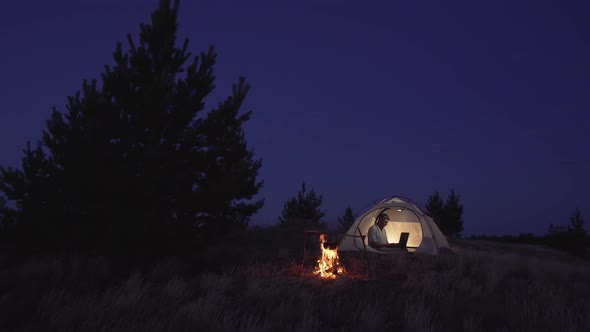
{"points": [[262, 286]]}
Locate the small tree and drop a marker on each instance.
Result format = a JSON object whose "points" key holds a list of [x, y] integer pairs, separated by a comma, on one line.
{"points": [[303, 210], [454, 214], [448, 215], [346, 221], [572, 237], [435, 206], [577, 222]]}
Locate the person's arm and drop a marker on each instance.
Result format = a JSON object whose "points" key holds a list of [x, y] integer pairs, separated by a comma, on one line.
{"points": [[388, 245], [378, 245]]}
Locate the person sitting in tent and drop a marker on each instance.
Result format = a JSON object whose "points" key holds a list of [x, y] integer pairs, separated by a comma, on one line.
{"points": [[378, 235]]}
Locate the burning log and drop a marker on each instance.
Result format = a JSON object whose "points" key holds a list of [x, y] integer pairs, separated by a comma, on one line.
{"points": [[329, 263]]}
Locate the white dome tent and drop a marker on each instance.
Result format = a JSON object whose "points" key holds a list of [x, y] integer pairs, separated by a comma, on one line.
{"points": [[404, 216]]}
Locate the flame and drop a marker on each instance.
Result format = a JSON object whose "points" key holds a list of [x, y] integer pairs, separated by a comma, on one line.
{"points": [[329, 264]]}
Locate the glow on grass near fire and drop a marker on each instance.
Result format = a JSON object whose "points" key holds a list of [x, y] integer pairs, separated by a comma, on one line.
{"points": [[329, 263]]}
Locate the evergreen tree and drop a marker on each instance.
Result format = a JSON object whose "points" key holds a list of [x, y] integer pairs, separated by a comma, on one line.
{"points": [[577, 222], [448, 216], [346, 221], [303, 210], [435, 206], [136, 163], [453, 211]]}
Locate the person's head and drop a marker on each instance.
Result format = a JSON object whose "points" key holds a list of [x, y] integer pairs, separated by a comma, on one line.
{"points": [[382, 220]]}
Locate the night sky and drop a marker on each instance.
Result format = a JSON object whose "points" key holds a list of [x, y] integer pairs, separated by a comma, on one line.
{"points": [[359, 99]]}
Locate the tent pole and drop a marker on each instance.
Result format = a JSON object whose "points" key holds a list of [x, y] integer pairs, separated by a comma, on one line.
{"points": [[366, 255]]}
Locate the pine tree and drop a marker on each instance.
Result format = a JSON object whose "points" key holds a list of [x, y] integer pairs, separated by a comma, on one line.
{"points": [[577, 222], [346, 221], [435, 206], [454, 214], [448, 216], [137, 163], [303, 210]]}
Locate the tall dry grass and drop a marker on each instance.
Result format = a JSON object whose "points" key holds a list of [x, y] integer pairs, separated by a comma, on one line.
{"points": [[480, 289]]}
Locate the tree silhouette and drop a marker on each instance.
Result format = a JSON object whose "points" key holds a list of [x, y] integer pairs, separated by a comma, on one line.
{"points": [[571, 237], [448, 216], [453, 214], [577, 222], [136, 163], [303, 210], [556, 229], [346, 221], [435, 206]]}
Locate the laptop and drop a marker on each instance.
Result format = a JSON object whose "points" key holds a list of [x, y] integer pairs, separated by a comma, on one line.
{"points": [[403, 239], [403, 242]]}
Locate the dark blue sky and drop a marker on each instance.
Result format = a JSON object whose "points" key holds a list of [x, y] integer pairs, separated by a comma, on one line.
{"points": [[359, 99]]}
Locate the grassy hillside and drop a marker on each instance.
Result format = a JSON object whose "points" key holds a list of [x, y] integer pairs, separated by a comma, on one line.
{"points": [[256, 286]]}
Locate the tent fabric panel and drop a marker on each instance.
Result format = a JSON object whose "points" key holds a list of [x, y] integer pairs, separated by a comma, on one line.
{"points": [[428, 246], [349, 243], [441, 240]]}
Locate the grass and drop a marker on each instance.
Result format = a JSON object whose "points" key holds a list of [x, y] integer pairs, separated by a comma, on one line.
{"points": [[263, 288]]}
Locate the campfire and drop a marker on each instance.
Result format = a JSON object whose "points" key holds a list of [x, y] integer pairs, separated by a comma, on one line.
{"points": [[329, 264]]}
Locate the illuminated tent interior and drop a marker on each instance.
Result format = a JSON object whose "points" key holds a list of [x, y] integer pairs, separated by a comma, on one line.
{"points": [[404, 216]]}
